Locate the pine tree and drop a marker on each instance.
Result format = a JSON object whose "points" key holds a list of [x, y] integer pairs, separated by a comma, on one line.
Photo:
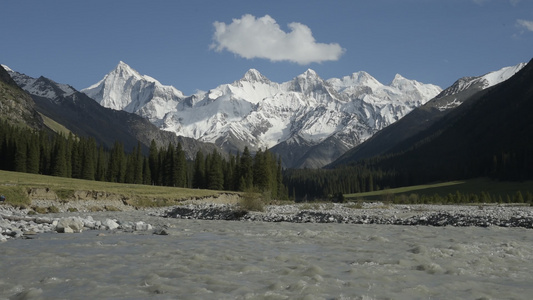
{"points": [[153, 162], [21, 152], [215, 176], [32, 157], [101, 165], [44, 153], [73, 157], [279, 179], [117, 165], [88, 157], [147, 176], [59, 157], [138, 161], [199, 171], [180, 167], [169, 164], [246, 170]]}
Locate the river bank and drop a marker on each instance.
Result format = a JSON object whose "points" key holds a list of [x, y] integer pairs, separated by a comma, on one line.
{"points": [[21, 223]]}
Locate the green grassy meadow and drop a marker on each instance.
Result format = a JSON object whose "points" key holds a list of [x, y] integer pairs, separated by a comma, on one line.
{"points": [[474, 186]]}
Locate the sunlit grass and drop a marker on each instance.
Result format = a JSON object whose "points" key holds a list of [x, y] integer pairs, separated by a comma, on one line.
{"points": [[473, 186], [15, 187]]}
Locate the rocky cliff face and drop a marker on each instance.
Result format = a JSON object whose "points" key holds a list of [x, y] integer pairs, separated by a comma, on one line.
{"points": [[16, 106]]}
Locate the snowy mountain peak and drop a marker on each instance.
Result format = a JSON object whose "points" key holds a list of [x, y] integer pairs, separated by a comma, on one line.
{"points": [[7, 68], [399, 81], [125, 70], [253, 75], [42, 86], [480, 82], [362, 77], [256, 112], [501, 75], [126, 89], [310, 73], [355, 82]]}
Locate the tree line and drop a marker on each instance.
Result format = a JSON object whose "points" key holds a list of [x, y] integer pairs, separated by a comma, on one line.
{"points": [[39, 152], [324, 184]]}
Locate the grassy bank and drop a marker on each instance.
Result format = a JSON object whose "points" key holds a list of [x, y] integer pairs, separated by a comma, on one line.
{"points": [[496, 190], [17, 186]]}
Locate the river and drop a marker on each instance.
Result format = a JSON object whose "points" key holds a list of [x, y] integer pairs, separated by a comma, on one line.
{"points": [[254, 260]]}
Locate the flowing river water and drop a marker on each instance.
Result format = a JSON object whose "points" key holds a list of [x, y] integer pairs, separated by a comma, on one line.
{"points": [[254, 260]]}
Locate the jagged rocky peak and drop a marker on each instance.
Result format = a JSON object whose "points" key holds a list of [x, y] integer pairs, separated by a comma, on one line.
{"points": [[254, 75], [306, 82], [399, 81], [356, 81], [309, 74], [125, 70], [362, 77]]}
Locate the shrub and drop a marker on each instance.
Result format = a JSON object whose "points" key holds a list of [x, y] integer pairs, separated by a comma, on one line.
{"points": [[53, 209], [40, 210], [111, 208], [252, 201]]}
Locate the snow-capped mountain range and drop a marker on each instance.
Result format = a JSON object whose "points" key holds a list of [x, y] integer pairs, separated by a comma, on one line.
{"points": [[256, 112]]}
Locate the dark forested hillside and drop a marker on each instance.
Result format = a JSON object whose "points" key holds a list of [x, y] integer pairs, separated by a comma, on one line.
{"points": [[489, 135], [492, 136]]}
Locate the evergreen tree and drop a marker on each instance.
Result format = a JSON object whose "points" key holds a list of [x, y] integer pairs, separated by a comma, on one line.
{"points": [[138, 165], [101, 165], [199, 171], [246, 171], [74, 156], [21, 152], [147, 176], [117, 164], [33, 155], [44, 153], [180, 167], [215, 176], [59, 157], [88, 158], [169, 165], [153, 162]]}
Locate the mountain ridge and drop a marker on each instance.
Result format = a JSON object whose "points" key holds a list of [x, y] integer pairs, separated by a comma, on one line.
{"points": [[399, 136], [259, 113], [84, 117]]}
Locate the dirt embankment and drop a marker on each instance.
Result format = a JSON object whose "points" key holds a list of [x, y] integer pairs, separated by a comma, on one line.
{"points": [[63, 201]]}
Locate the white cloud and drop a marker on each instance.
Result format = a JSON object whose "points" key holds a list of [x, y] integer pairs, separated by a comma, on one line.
{"points": [[252, 37], [528, 25]]}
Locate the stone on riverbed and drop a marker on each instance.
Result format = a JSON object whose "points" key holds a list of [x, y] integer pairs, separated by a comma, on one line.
{"points": [[110, 224], [69, 225]]}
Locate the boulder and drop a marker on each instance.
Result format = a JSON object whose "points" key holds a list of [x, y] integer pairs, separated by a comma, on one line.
{"points": [[110, 224], [141, 226], [69, 224]]}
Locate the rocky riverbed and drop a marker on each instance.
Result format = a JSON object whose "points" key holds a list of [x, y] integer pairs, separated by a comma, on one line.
{"points": [[20, 223]]}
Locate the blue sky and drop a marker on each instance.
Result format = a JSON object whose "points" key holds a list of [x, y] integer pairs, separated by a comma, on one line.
{"points": [[198, 45]]}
